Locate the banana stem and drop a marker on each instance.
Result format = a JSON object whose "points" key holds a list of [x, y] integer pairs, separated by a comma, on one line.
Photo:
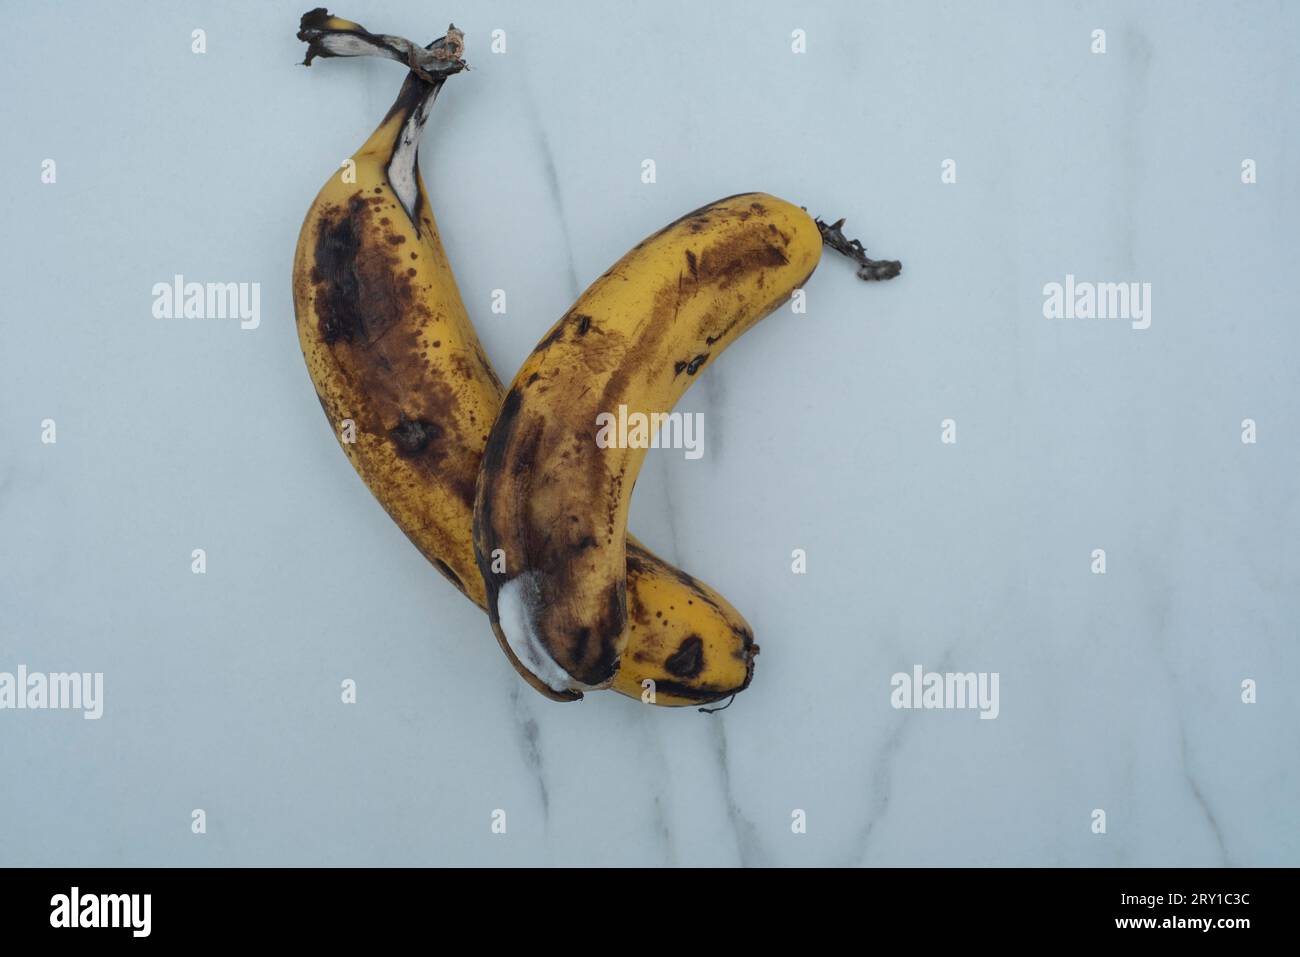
{"points": [[330, 36], [868, 269]]}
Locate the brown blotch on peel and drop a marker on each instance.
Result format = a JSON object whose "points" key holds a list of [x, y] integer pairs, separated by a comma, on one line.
{"points": [[358, 298], [688, 660], [491, 468], [728, 260], [700, 215], [554, 336], [335, 275], [412, 436], [580, 639], [375, 324], [609, 630]]}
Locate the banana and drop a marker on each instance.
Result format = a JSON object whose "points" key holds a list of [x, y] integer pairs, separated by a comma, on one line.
{"points": [[550, 498], [411, 395]]}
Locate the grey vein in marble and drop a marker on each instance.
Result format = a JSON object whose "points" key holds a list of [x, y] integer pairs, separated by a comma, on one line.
{"points": [[530, 743], [1199, 797], [748, 846]]}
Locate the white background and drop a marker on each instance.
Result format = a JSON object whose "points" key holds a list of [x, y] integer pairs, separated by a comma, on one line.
{"points": [[1119, 692]]}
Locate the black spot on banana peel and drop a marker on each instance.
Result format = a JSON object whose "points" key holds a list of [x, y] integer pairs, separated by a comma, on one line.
{"points": [[336, 253], [544, 467], [389, 346], [412, 436], [688, 660]]}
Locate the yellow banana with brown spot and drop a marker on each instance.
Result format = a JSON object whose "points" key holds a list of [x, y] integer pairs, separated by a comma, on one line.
{"points": [[552, 498], [411, 395]]}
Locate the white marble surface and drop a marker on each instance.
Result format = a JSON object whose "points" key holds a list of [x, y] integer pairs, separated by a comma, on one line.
{"points": [[1119, 692]]}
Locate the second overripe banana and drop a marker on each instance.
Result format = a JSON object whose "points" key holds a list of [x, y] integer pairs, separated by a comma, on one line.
{"points": [[553, 496]]}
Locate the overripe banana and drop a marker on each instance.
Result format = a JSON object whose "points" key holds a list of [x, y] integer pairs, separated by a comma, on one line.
{"points": [[550, 497], [411, 395]]}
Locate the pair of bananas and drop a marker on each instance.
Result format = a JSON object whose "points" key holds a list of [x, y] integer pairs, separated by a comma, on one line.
{"points": [[506, 492]]}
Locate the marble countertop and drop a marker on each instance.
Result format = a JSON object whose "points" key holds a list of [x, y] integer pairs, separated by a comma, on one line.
{"points": [[1119, 692]]}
